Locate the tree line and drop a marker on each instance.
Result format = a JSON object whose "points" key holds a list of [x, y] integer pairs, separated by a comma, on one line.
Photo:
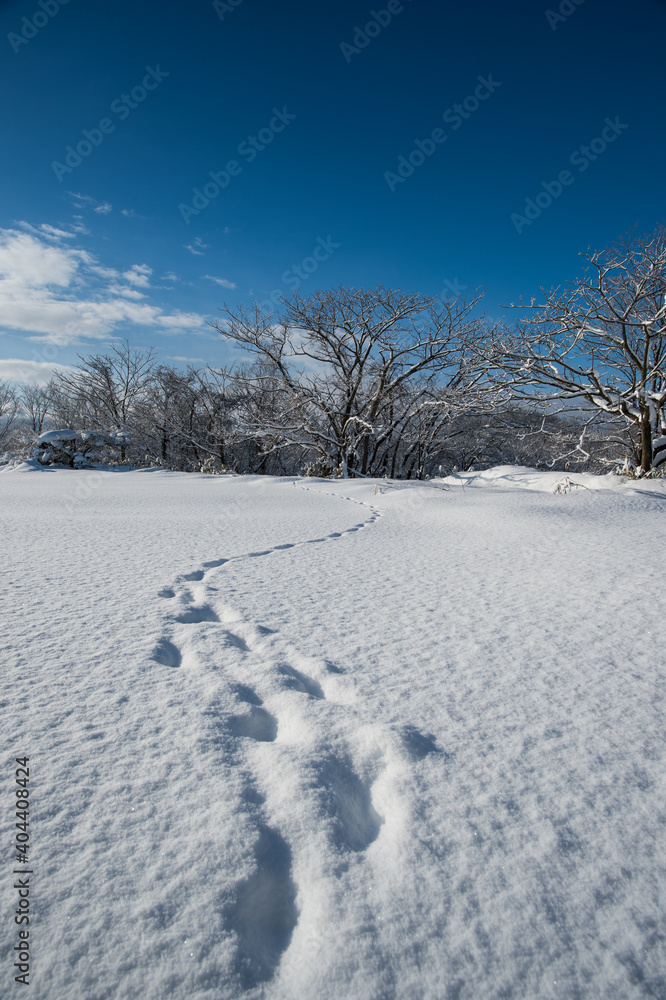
{"points": [[379, 382]]}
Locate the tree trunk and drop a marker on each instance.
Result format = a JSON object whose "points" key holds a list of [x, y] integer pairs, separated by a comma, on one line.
{"points": [[646, 440], [364, 460]]}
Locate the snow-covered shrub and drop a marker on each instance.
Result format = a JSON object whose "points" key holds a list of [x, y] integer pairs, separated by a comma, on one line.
{"points": [[80, 449], [632, 471], [659, 453], [57, 447], [567, 485], [322, 469], [213, 467]]}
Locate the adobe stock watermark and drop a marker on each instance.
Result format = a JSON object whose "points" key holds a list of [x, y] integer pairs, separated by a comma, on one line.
{"points": [[224, 7], [452, 288], [31, 26], [48, 353], [581, 158], [122, 107], [455, 116], [249, 149], [563, 12], [297, 273], [379, 19]]}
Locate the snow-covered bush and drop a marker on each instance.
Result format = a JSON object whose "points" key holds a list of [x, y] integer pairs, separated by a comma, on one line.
{"points": [[659, 453], [80, 449], [213, 467], [632, 471], [323, 469], [567, 485]]}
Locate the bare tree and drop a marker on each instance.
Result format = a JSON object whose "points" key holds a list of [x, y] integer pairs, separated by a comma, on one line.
{"points": [[35, 403], [67, 409], [217, 395], [344, 373], [602, 339], [9, 411], [111, 384], [167, 407]]}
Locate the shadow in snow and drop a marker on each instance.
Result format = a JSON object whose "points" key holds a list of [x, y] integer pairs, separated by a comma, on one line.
{"points": [[417, 744]]}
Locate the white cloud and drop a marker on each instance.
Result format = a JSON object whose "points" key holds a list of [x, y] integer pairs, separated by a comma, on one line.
{"points": [[27, 262], [131, 214], [62, 295], [221, 281], [179, 321], [87, 201], [104, 272], [170, 276], [33, 372], [49, 232], [138, 274], [197, 246], [57, 234], [127, 293]]}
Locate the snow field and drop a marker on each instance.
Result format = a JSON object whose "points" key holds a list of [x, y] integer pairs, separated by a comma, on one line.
{"points": [[397, 745]]}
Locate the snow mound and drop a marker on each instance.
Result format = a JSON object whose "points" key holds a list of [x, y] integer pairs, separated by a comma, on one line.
{"points": [[58, 437], [522, 477]]}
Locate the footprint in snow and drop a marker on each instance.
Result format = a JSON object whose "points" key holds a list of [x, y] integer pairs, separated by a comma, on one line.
{"points": [[193, 616], [166, 654], [300, 682], [257, 724], [235, 640], [264, 915], [245, 693], [346, 799]]}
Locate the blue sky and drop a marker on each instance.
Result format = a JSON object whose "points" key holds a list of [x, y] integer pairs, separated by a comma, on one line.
{"points": [[168, 94]]}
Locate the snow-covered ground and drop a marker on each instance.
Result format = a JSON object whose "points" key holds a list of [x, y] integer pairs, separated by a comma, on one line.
{"points": [[301, 740]]}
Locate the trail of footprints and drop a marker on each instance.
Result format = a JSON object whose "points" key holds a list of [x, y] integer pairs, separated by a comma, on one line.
{"points": [[263, 914]]}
